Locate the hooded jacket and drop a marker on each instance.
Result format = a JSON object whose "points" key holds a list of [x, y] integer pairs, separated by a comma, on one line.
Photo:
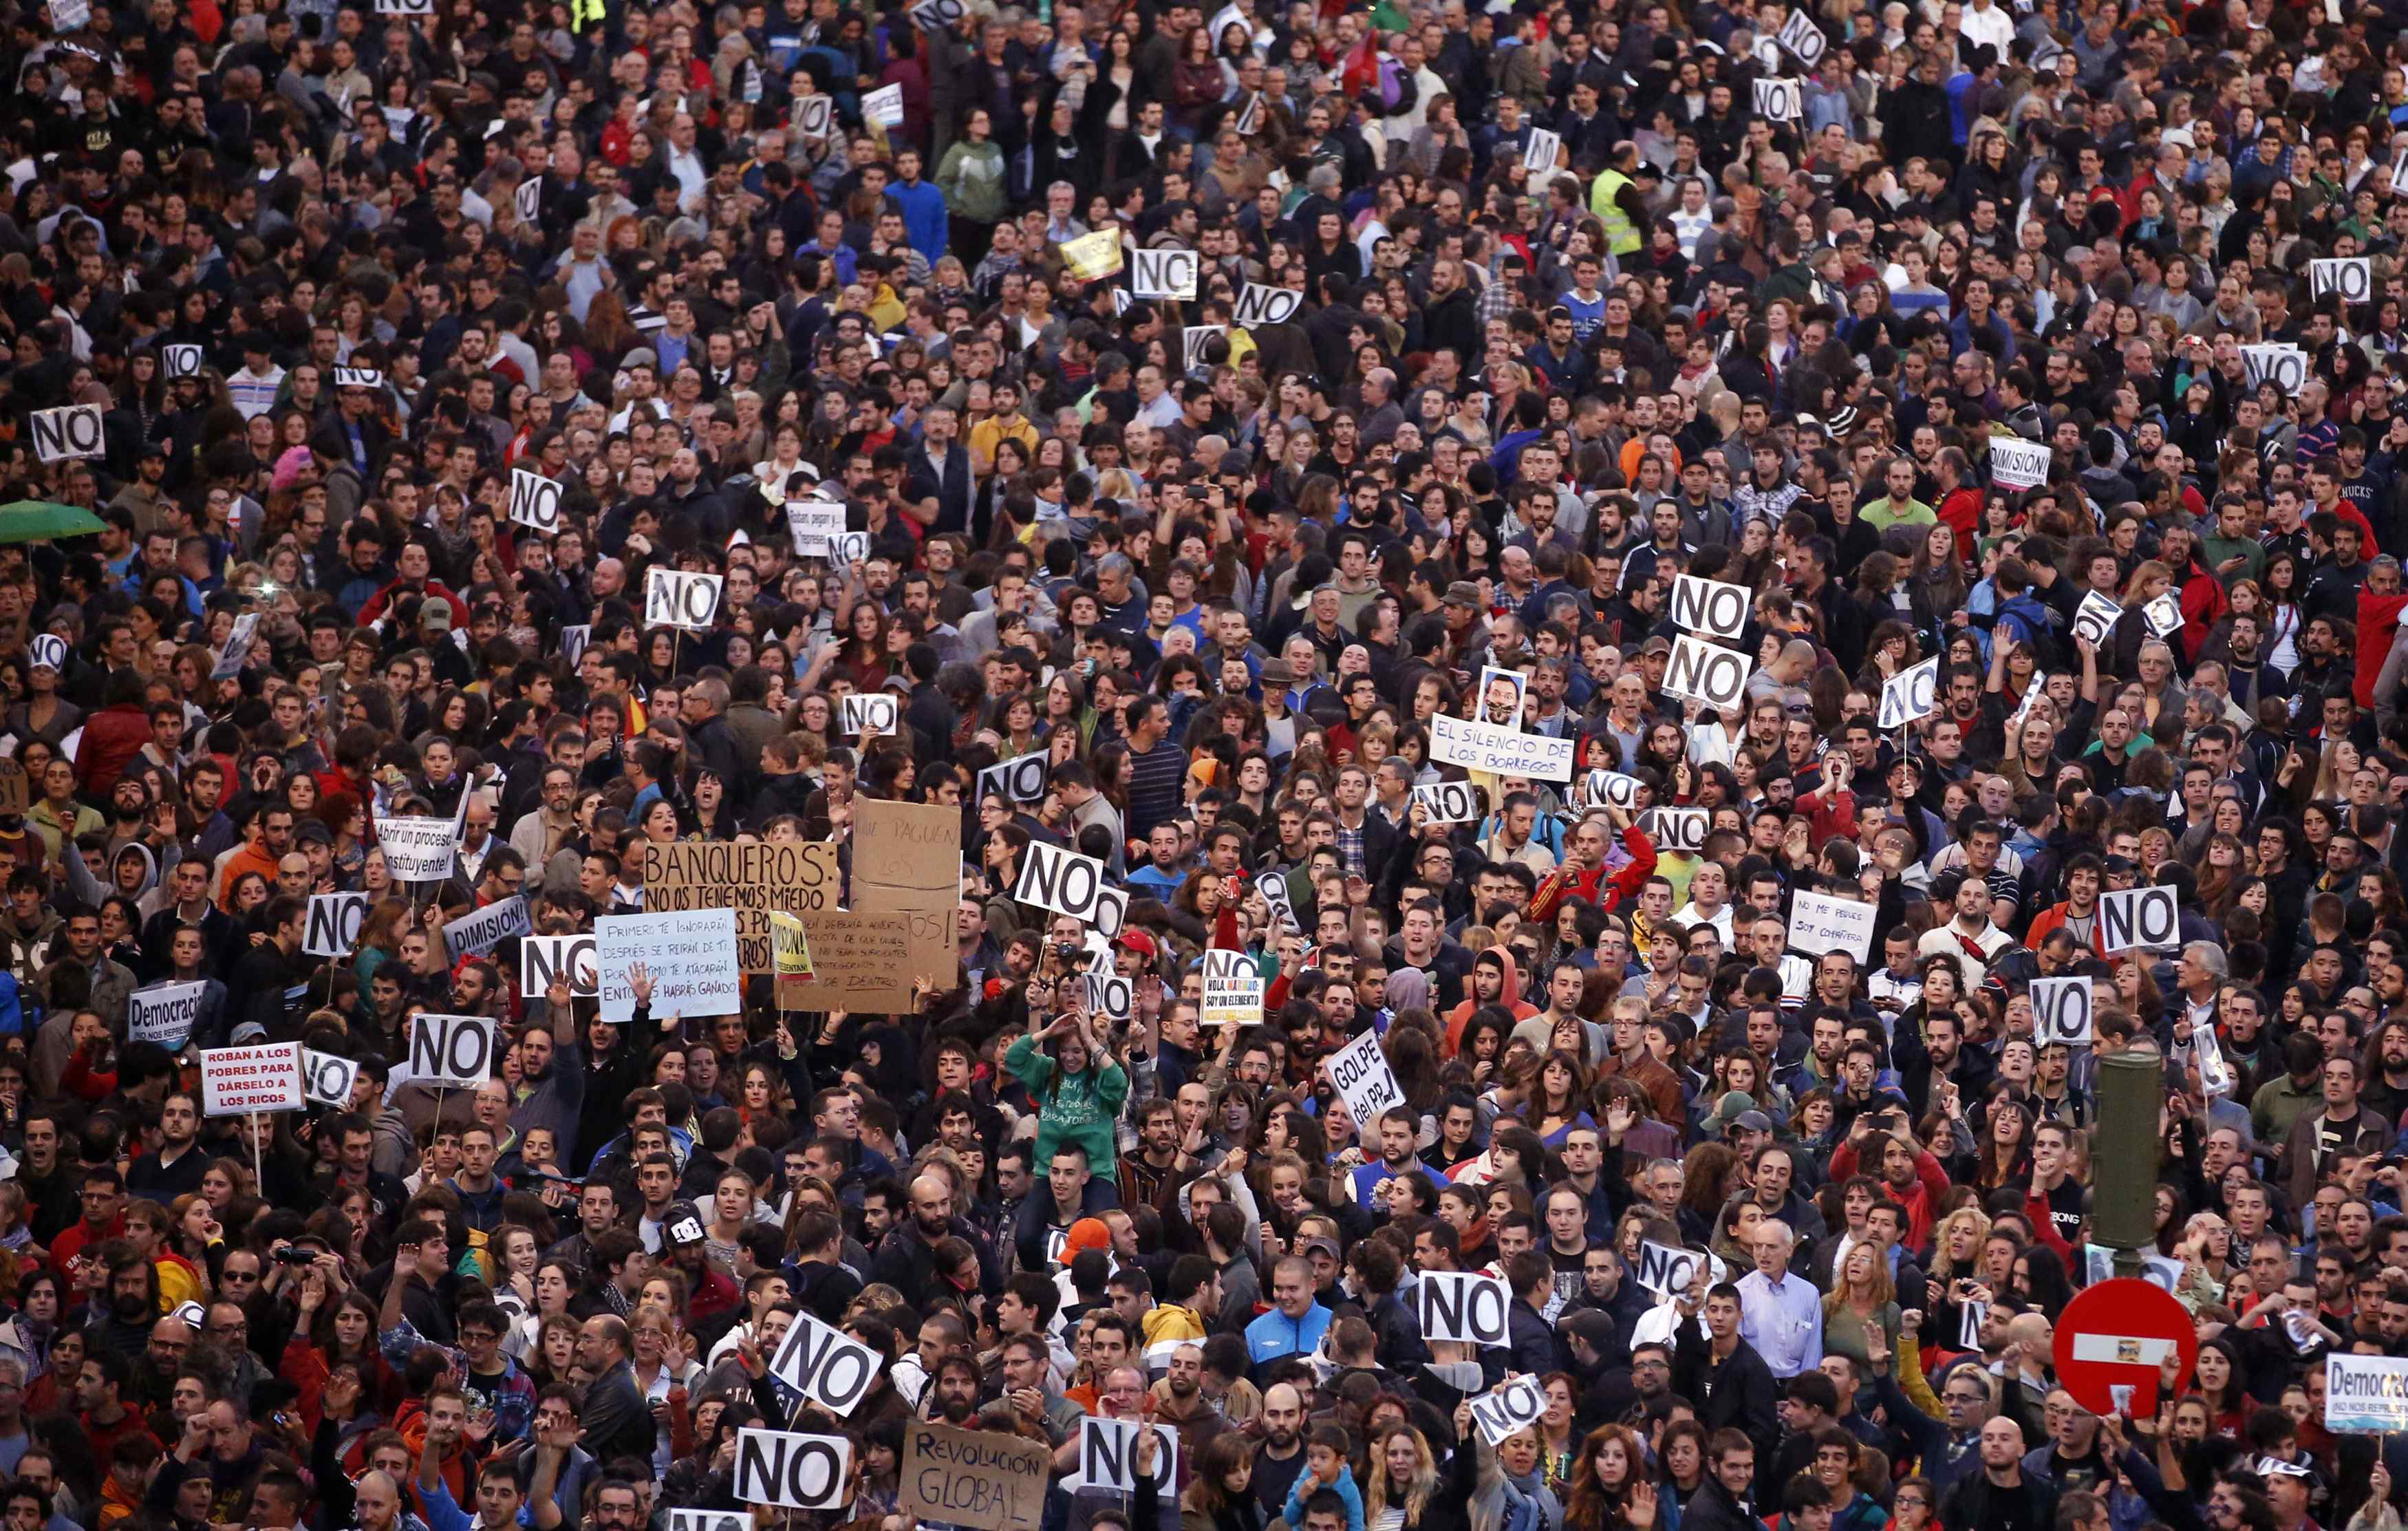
{"points": [[1510, 996]]}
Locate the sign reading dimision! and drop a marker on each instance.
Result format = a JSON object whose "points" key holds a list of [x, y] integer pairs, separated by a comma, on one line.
{"points": [[797, 877]]}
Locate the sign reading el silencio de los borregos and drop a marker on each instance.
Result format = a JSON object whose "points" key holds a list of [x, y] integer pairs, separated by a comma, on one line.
{"points": [[1503, 752]]}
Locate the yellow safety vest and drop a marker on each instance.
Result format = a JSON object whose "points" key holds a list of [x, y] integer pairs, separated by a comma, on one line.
{"points": [[1621, 234]]}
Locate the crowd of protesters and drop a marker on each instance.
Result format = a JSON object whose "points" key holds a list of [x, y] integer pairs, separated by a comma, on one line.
{"points": [[424, 336]]}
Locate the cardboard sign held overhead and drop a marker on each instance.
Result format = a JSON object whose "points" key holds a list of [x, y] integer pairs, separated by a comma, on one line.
{"points": [[906, 860], [980, 1480]]}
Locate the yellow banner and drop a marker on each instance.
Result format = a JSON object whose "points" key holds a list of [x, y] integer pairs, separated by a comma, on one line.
{"points": [[790, 949], [1091, 257]]}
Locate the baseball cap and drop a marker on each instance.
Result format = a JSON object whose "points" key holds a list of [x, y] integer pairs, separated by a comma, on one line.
{"points": [[435, 612], [1137, 941], [1325, 1246], [1750, 1121], [1659, 644], [682, 1226], [1463, 593], [1088, 1233]]}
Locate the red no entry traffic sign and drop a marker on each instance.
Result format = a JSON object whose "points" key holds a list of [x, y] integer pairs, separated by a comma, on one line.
{"points": [[2115, 1336]]}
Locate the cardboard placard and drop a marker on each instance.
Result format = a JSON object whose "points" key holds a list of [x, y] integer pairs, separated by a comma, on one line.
{"points": [[534, 500], [1364, 1081], [751, 877], [790, 945], [1715, 608], [420, 849], [907, 859], [2062, 1011], [2095, 619], [2018, 464], [1708, 673], [1165, 274], [1107, 1457], [70, 433], [978, 1478], [1092, 257], [859, 962], [1258, 305], [1464, 1308], [237, 652], [1910, 695], [1503, 751], [1676, 829], [1448, 802], [826, 1365], [2139, 917], [1069, 884], [1022, 779], [1509, 1409], [2352, 278], [327, 1079], [16, 789], [1235, 1000]]}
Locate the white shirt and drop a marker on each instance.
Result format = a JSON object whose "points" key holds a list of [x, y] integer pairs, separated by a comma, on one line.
{"points": [[1990, 24], [1721, 920]]}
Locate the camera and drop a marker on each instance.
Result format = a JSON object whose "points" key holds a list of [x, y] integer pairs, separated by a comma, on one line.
{"points": [[291, 1254], [1066, 954]]}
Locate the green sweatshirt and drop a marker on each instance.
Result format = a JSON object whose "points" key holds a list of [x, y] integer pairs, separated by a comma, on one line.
{"points": [[1077, 1108]]}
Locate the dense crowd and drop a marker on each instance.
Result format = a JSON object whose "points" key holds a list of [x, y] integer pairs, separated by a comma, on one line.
{"points": [[1258, 426]]}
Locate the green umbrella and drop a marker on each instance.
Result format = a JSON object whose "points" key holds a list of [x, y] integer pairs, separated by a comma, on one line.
{"points": [[34, 520]]}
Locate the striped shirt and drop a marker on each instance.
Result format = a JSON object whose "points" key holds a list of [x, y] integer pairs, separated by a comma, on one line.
{"points": [[1157, 782]]}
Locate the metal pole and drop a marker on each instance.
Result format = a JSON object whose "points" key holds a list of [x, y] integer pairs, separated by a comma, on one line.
{"points": [[2130, 1091]]}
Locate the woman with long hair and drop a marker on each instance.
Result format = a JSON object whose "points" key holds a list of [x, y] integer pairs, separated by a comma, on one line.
{"points": [[1403, 1482], [1557, 1106], [1218, 1497], [2004, 1153], [1861, 1301], [1077, 1087], [1610, 1489]]}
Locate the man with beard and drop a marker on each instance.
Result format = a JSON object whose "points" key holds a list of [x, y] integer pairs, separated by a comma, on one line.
{"points": [[132, 1304], [1180, 1402], [907, 1256], [956, 1394], [1280, 1460]]}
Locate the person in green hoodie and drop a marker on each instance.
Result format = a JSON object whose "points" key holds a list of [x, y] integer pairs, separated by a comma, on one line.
{"points": [[1077, 1084], [971, 178]]}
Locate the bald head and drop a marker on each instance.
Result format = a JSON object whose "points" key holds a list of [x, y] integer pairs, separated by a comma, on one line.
{"points": [[932, 1206]]}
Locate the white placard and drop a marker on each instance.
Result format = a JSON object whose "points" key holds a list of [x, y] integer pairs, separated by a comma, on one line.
{"points": [[1109, 995], [419, 850], [1221, 961], [826, 1365], [1777, 99], [1464, 1308], [328, 1077], [936, 14], [1819, 922], [2215, 1074], [544, 958], [452, 1051], [2061, 1010], [1448, 802], [479, 932], [1599, 787], [1273, 886], [236, 652], [1707, 673], [1544, 149], [72, 16], [573, 641], [2095, 619], [2164, 614], [673, 598], [1911, 695], [2018, 464], [534, 500], [1022, 779], [1364, 1081], [1107, 1457], [2365, 1393], [527, 201], [885, 105], [812, 115], [1970, 1316], [1509, 1409], [1191, 342], [358, 377], [1666, 1269], [334, 924], [1258, 305], [791, 1469], [47, 651], [1715, 608], [2284, 366], [1803, 38], [1676, 829], [2353, 278], [812, 522], [710, 1520], [164, 1012], [848, 549], [405, 7], [66, 434], [1503, 752], [867, 712], [1235, 999], [1069, 884], [239, 1081], [2139, 917], [692, 955], [176, 361], [1164, 274]]}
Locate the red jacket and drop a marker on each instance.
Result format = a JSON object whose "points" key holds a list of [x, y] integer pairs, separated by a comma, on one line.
{"points": [[1599, 887], [111, 738], [1930, 1188], [2378, 618]]}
